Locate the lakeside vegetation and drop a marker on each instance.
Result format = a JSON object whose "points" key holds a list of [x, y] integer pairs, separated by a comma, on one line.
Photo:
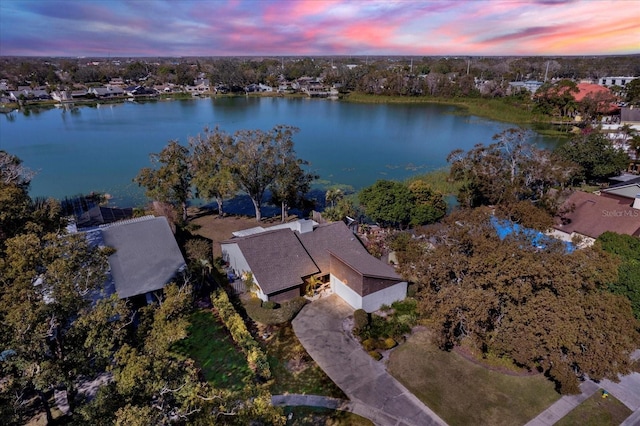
{"points": [[507, 110]]}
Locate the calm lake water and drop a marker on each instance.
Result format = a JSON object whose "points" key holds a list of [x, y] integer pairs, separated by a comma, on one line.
{"points": [[102, 148]]}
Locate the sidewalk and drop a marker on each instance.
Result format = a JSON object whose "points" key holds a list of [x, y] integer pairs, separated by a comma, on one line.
{"points": [[563, 406], [626, 391]]}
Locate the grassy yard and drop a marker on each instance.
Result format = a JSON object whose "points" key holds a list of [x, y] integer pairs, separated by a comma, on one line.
{"points": [[464, 393], [211, 347], [597, 411], [294, 371]]}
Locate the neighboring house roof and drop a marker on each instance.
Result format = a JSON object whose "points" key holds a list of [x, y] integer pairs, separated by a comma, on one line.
{"points": [[100, 215], [277, 259], [592, 215], [147, 256], [628, 189], [589, 89]]}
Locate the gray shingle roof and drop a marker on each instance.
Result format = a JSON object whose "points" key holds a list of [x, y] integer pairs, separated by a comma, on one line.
{"points": [[277, 259], [147, 256], [280, 258], [334, 237]]}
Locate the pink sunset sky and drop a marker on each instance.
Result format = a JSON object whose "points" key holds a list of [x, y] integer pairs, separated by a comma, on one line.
{"points": [[318, 27]]}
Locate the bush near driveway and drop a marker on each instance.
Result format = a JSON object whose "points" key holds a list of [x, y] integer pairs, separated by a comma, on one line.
{"points": [[273, 315]]}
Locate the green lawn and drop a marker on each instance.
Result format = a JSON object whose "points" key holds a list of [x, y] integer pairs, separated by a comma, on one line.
{"points": [[223, 365], [209, 344], [597, 411], [293, 370], [464, 393]]}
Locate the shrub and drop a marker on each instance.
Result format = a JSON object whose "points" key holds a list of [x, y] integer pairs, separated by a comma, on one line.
{"points": [[256, 358], [388, 343], [277, 315], [375, 355], [369, 344], [269, 305], [361, 321], [407, 306]]}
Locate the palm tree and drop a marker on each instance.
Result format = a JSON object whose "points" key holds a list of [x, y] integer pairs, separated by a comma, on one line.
{"points": [[333, 195]]}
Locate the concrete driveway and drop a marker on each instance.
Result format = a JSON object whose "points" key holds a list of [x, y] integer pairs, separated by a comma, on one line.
{"points": [[364, 380]]}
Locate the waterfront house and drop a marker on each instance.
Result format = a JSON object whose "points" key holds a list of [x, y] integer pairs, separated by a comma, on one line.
{"points": [[137, 91], [107, 92], [282, 260], [29, 94]]}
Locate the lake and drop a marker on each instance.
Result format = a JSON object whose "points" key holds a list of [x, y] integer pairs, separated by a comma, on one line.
{"points": [[101, 148]]}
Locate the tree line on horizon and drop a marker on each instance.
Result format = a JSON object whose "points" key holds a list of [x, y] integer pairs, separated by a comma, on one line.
{"points": [[387, 75]]}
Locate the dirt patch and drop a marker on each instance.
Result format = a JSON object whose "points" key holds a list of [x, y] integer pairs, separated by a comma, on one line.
{"points": [[218, 229]]}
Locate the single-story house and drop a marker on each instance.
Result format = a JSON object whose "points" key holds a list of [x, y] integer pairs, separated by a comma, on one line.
{"points": [[587, 216], [107, 92], [282, 259], [146, 256]]}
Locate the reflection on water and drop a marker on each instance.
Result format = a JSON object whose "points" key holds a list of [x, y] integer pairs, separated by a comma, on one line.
{"points": [[101, 148]]}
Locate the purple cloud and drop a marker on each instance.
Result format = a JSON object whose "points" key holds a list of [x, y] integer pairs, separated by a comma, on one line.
{"points": [[291, 27]]}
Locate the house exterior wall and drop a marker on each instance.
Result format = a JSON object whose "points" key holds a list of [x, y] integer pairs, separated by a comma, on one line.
{"points": [[345, 292], [232, 254], [371, 302], [283, 296], [386, 296]]}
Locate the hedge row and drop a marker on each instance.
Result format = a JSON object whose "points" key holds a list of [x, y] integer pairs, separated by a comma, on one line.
{"points": [[256, 358], [273, 316]]}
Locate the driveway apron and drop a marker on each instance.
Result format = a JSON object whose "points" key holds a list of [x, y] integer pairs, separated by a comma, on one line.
{"points": [[319, 327]]}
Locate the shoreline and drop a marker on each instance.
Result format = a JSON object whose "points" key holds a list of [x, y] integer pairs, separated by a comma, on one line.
{"points": [[497, 109]]}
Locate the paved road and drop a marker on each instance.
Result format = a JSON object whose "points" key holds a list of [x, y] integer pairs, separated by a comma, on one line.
{"points": [[376, 394]]}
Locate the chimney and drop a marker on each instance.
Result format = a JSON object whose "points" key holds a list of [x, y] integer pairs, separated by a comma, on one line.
{"points": [[636, 202]]}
